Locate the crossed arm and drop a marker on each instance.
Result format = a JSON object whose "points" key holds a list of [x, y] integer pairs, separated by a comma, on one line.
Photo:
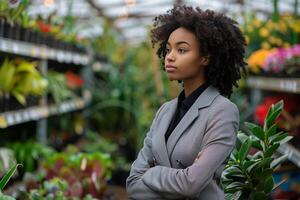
{"points": [[162, 182]]}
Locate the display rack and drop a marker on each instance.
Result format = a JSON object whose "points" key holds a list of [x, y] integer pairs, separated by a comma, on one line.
{"points": [[275, 84], [289, 85], [41, 52], [40, 112]]}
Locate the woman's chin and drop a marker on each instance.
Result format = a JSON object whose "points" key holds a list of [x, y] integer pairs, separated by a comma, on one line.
{"points": [[172, 78]]}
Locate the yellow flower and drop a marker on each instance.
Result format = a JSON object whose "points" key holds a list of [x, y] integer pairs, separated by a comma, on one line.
{"points": [[256, 22], [265, 45], [249, 28], [272, 39], [247, 39], [282, 26], [285, 44], [279, 42], [270, 25], [296, 27], [263, 32]]}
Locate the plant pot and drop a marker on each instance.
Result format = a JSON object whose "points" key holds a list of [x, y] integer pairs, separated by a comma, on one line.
{"points": [[22, 33], [33, 36], [32, 101], [14, 104], [16, 28], [7, 29]]}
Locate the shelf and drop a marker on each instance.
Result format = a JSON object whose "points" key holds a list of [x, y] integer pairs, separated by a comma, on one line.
{"points": [[41, 52], [291, 85], [38, 112], [292, 152]]}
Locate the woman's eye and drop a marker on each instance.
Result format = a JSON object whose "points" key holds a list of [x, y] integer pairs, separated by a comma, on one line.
{"points": [[181, 50], [167, 50]]}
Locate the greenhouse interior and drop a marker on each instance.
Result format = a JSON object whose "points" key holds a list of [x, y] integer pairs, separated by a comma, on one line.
{"points": [[81, 84]]}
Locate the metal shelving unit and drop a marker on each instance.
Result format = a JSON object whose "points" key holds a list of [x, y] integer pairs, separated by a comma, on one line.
{"points": [[40, 112], [41, 52], [291, 85], [288, 85]]}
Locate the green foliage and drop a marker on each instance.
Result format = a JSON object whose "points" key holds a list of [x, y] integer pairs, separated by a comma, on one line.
{"points": [[12, 13], [5, 180], [20, 78], [58, 87], [29, 153], [7, 159], [84, 173], [54, 189], [249, 177]]}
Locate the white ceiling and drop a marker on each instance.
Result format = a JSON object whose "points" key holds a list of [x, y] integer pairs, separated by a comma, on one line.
{"points": [[133, 16]]}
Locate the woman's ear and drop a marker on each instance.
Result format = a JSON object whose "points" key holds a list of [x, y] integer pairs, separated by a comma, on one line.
{"points": [[204, 60]]}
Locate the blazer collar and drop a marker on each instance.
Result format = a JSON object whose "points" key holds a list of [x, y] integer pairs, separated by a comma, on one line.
{"points": [[204, 100]]}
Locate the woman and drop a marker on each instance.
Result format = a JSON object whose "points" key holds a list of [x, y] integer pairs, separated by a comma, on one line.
{"points": [[192, 135]]}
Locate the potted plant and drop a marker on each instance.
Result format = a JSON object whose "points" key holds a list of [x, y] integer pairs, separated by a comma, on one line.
{"points": [[249, 177]]}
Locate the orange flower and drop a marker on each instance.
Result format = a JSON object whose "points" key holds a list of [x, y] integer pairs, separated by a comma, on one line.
{"points": [[257, 59]]}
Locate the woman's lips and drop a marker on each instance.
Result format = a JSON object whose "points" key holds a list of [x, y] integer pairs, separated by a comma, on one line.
{"points": [[170, 68]]}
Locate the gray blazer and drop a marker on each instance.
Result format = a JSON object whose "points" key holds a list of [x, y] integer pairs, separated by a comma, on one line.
{"points": [[209, 127]]}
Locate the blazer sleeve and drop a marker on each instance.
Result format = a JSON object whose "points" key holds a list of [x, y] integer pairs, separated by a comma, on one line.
{"points": [[218, 142], [136, 189]]}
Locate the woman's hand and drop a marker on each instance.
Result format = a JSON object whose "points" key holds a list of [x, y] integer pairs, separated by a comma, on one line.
{"points": [[198, 156]]}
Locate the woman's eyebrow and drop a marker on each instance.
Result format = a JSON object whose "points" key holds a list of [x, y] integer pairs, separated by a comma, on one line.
{"points": [[179, 43]]}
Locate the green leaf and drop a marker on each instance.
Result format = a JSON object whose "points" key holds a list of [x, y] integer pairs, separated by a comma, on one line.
{"points": [[256, 130], [272, 130], [248, 164], [7, 176], [270, 111], [270, 120], [235, 186], [252, 166], [279, 105], [282, 138], [269, 152], [242, 136], [5, 197], [269, 184], [232, 170], [259, 196], [263, 163], [258, 155], [285, 140], [234, 196], [243, 152], [273, 137], [278, 161], [257, 144]]}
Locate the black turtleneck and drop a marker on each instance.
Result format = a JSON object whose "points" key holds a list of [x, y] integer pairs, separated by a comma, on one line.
{"points": [[183, 106]]}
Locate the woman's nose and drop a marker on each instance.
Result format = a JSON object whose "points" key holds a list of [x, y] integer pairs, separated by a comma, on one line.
{"points": [[170, 56]]}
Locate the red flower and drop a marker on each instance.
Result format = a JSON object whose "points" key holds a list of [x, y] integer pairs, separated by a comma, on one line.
{"points": [[45, 28], [73, 80]]}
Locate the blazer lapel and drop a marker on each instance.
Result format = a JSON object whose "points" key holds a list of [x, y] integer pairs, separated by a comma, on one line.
{"points": [[204, 100], [162, 151]]}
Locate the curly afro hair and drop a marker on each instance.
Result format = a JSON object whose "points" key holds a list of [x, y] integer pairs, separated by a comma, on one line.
{"points": [[219, 38]]}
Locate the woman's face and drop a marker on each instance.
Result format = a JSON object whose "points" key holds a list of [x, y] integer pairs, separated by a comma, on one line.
{"points": [[183, 59]]}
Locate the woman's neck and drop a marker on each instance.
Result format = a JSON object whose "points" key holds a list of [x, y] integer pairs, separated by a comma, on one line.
{"points": [[190, 86]]}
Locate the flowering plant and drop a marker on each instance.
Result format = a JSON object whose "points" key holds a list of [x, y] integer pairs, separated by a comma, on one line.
{"points": [[279, 60], [267, 34], [283, 59]]}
